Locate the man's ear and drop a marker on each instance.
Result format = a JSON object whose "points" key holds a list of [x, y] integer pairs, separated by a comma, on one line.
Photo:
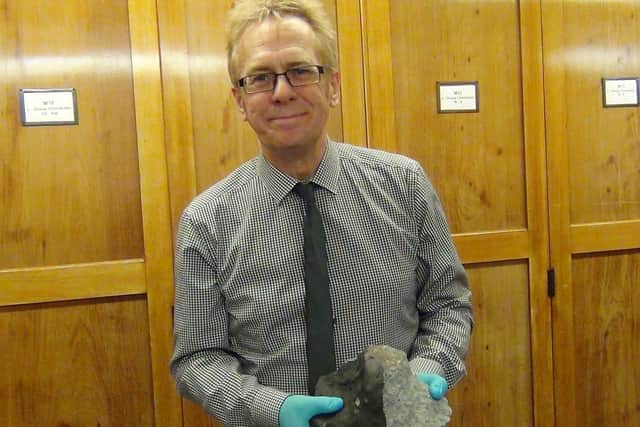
{"points": [[334, 89], [237, 95]]}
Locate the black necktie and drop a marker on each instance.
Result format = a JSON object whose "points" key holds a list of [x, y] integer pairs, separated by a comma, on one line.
{"points": [[319, 316]]}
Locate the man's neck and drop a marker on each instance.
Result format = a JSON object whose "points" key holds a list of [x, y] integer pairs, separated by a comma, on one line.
{"points": [[295, 162]]}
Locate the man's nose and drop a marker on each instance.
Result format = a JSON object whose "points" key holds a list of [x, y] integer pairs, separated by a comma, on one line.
{"points": [[282, 86]]}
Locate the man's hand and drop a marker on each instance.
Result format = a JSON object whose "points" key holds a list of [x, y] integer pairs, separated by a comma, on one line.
{"points": [[297, 410], [436, 384]]}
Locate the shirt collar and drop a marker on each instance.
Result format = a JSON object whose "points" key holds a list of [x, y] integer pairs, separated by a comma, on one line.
{"points": [[328, 171], [279, 184]]}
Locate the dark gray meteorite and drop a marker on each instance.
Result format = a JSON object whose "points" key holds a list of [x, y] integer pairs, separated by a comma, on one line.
{"points": [[379, 389]]}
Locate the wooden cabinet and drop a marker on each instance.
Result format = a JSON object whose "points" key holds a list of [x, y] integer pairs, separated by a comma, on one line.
{"points": [[489, 169], [542, 177], [85, 231], [594, 195]]}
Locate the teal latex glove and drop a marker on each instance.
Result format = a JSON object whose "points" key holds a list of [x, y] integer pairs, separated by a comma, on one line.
{"points": [[437, 385], [297, 410]]}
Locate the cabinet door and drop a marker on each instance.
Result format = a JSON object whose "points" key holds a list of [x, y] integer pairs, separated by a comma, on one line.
{"points": [[205, 136], [594, 189], [85, 246], [489, 169]]}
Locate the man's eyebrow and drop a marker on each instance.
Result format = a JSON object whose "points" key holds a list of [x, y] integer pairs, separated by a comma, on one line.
{"points": [[298, 64], [258, 69]]}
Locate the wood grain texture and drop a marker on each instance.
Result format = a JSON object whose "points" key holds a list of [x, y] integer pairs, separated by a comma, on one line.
{"points": [[70, 194], [494, 246], [498, 389], [379, 75], [156, 214], [194, 416], [602, 237], [71, 282], [221, 140], [178, 116], [593, 177], [607, 321], [76, 364], [205, 137], [559, 236], [600, 39], [335, 125], [352, 86], [537, 210], [476, 160], [488, 167]]}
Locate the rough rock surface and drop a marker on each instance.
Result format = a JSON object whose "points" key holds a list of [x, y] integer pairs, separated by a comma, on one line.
{"points": [[379, 389]]}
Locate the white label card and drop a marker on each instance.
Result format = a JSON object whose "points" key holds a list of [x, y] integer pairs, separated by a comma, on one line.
{"points": [[48, 106], [457, 97], [620, 92]]}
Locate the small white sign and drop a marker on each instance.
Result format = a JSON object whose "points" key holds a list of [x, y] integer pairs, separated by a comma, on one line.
{"points": [[457, 97], [48, 107], [620, 92]]}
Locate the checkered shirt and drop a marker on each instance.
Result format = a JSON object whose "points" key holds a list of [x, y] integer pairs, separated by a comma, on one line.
{"points": [[395, 279]]}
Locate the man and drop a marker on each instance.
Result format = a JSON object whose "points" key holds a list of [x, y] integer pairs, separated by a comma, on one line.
{"points": [[242, 309]]}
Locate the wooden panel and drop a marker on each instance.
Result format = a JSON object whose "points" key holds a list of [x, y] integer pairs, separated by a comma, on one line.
{"points": [[156, 213], [600, 39], [72, 364], [594, 190], [178, 116], [537, 210], [83, 193], [475, 160], [70, 194], [335, 125], [607, 321], [560, 250], [498, 389], [221, 139], [605, 236], [352, 87], [69, 282], [507, 245], [379, 95], [195, 416]]}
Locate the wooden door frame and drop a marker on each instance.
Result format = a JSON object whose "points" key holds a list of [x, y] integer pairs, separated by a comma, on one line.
{"points": [[156, 215]]}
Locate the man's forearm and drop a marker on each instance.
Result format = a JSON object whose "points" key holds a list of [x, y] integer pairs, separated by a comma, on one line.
{"points": [[442, 344], [212, 379]]}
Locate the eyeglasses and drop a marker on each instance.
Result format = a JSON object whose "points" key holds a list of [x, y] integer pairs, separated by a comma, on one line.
{"points": [[297, 76]]}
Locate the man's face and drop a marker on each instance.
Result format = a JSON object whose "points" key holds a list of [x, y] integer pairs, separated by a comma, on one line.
{"points": [[287, 117]]}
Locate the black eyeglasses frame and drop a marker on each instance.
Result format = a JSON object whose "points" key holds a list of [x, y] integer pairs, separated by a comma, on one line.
{"points": [[319, 68]]}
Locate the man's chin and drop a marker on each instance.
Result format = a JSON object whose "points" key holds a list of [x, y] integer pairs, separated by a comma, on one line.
{"points": [[289, 145]]}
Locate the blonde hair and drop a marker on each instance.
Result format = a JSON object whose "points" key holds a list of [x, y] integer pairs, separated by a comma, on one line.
{"points": [[247, 12]]}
